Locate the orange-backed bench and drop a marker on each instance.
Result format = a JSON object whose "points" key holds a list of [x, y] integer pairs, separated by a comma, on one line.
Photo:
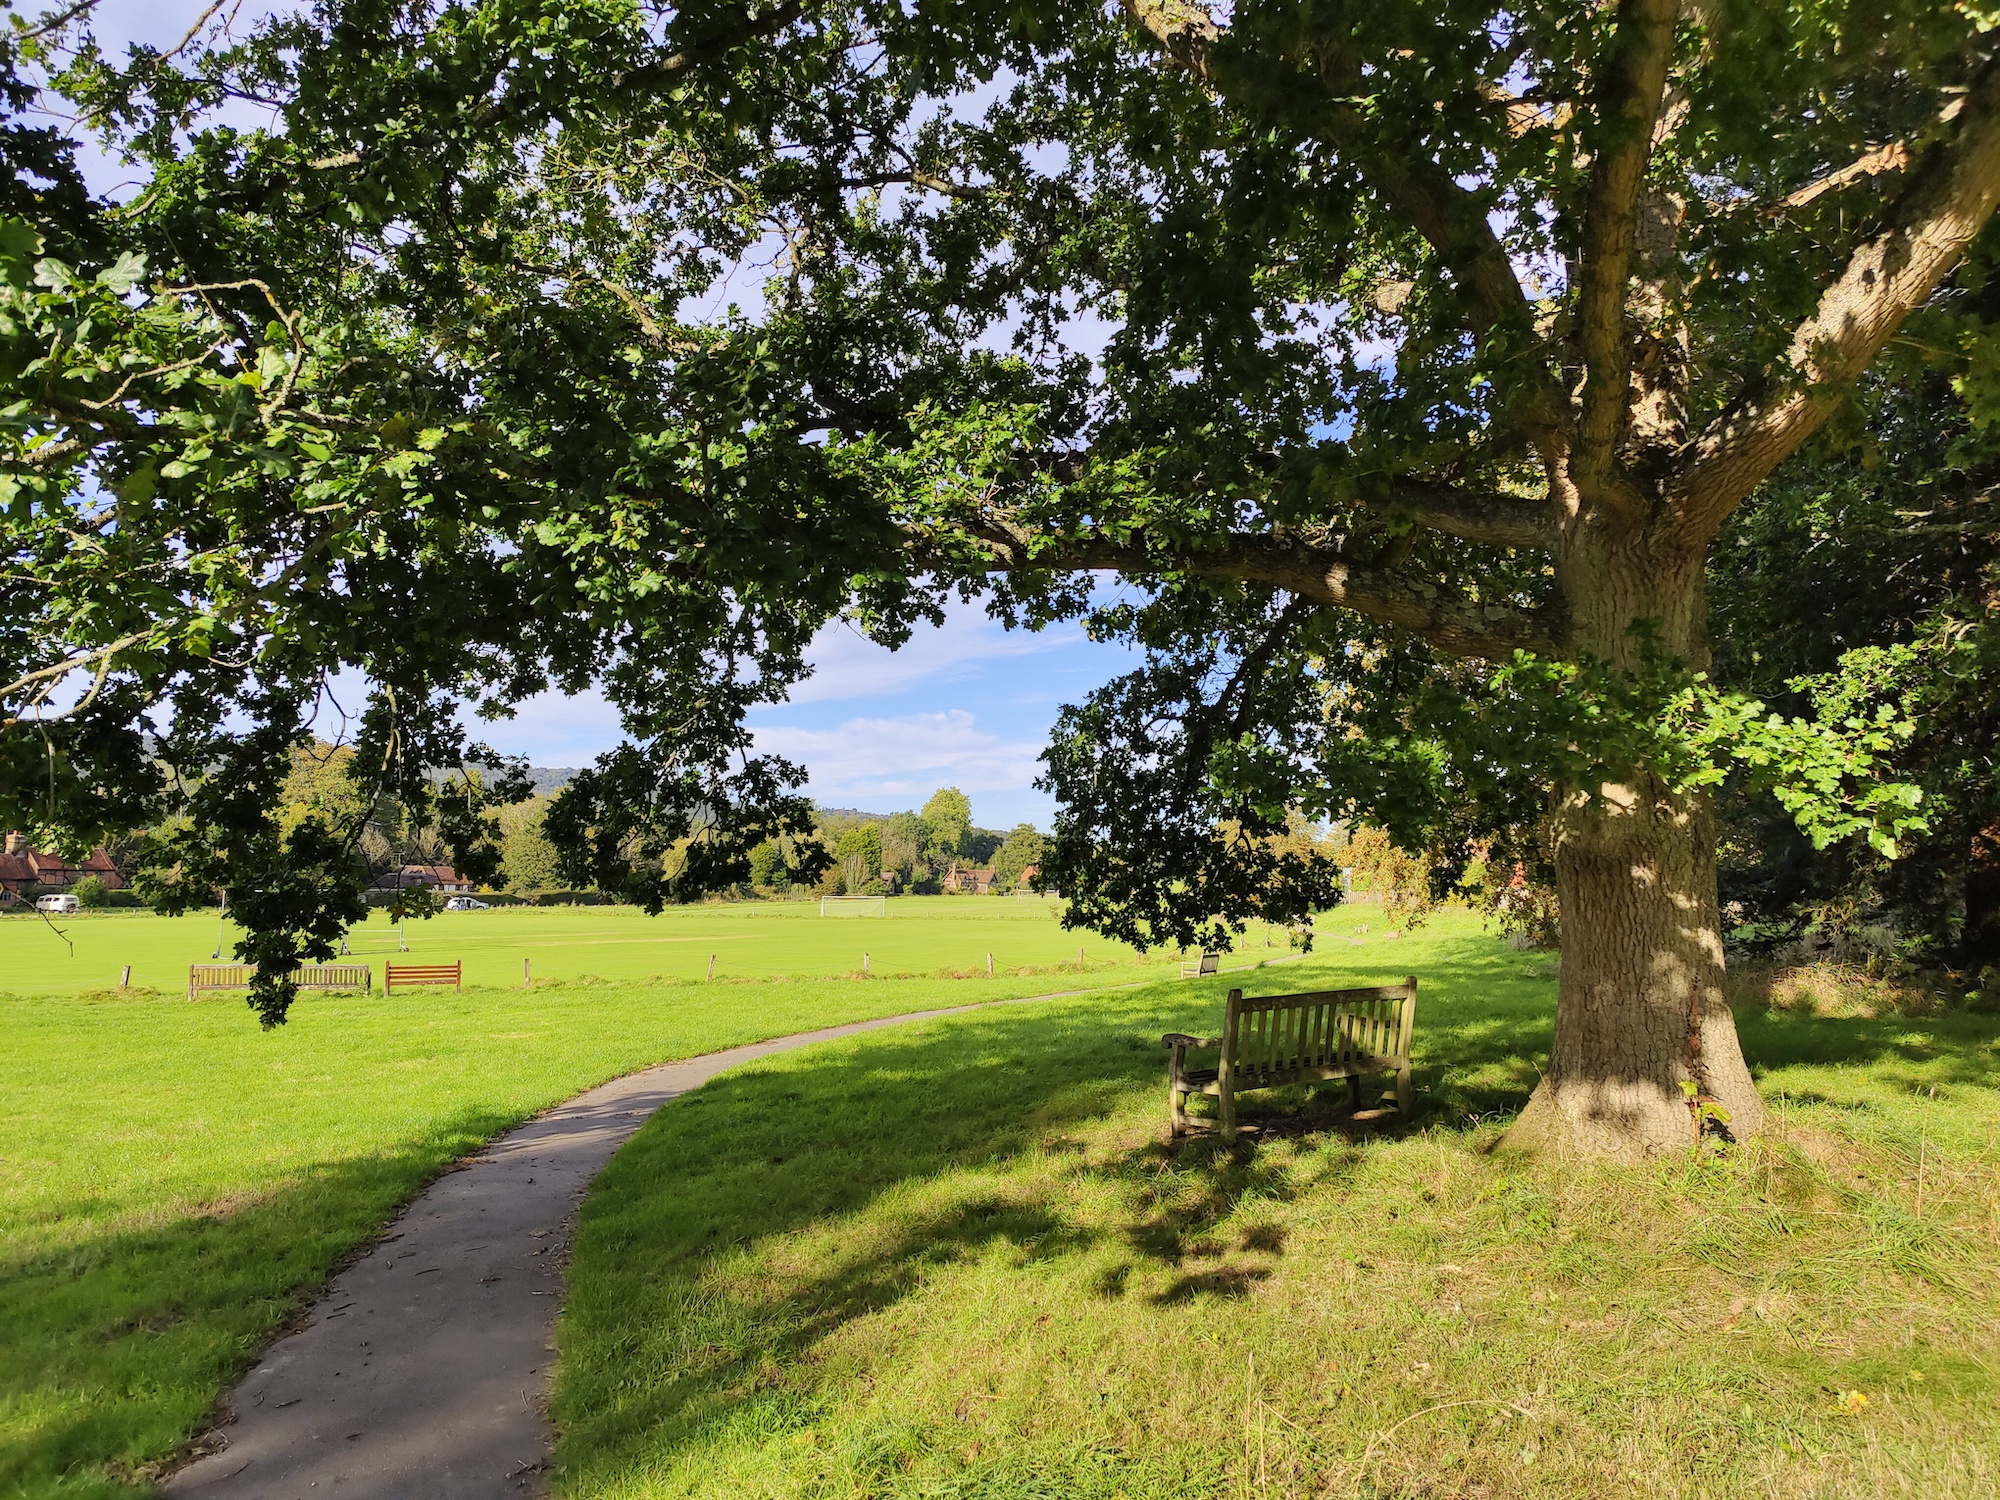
{"points": [[1271, 1040], [406, 976], [205, 977]]}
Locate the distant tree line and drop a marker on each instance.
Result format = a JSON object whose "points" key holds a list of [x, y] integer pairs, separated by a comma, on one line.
{"points": [[873, 853], [904, 852]]}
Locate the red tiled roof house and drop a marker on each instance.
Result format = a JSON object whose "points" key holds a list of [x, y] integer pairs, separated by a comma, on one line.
{"points": [[22, 866], [441, 878]]}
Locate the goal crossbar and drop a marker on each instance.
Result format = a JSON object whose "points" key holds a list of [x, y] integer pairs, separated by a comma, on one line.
{"points": [[860, 906]]}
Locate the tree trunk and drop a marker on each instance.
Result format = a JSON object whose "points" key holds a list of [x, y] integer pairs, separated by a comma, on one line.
{"points": [[1640, 1012], [1979, 940]]}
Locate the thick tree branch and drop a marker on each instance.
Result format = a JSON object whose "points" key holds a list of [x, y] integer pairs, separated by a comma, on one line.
{"points": [[1951, 193], [1457, 627], [1493, 520], [1449, 217], [1632, 82], [59, 452], [1882, 160], [1185, 31]]}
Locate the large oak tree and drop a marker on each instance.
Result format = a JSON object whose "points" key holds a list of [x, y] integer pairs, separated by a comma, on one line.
{"points": [[1406, 358]]}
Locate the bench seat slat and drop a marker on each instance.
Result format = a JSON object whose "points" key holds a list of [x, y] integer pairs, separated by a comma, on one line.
{"points": [[1205, 1080]]}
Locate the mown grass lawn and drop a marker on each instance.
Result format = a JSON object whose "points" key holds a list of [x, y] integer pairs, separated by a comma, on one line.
{"points": [[174, 1181], [921, 936], [961, 1261]]}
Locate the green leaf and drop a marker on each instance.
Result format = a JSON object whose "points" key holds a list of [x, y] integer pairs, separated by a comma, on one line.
{"points": [[20, 246], [124, 273]]}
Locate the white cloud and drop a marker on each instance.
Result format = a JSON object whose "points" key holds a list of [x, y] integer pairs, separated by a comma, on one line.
{"points": [[846, 664], [552, 730], [867, 760]]}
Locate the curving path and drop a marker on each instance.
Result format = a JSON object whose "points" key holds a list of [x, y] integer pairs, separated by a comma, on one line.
{"points": [[422, 1373]]}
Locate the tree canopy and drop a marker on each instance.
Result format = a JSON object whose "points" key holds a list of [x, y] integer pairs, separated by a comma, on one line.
{"points": [[947, 821], [1408, 357]]}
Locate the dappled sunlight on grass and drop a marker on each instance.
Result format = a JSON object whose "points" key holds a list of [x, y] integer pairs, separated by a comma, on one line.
{"points": [[965, 1261]]}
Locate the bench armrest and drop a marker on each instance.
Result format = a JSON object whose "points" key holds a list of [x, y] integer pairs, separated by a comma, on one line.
{"points": [[1182, 1039]]}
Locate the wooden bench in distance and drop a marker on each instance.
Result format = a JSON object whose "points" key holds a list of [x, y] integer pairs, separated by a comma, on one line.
{"points": [[1271, 1040], [1209, 963], [405, 976], [202, 977]]}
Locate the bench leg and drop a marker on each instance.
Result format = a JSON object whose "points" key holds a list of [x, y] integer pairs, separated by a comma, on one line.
{"points": [[1227, 1100], [1354, 1091], [1404, 1093], [1176, 1094]]}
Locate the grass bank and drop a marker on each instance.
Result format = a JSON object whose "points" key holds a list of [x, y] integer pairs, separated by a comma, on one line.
{"points": [[174, 1181], [961, 1261]]}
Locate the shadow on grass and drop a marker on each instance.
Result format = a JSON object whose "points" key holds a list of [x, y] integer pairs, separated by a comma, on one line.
{"points": [[1958, 1047], [690, 1314], [116, 1348], [662, 1339]]}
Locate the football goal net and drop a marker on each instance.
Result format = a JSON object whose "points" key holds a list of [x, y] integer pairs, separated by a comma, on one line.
{"points": [[854, 906]]}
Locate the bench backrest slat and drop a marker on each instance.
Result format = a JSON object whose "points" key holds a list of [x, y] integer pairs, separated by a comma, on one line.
{"points": [[307, 977], [1271, 1036], [403, 975], [335, 976]]}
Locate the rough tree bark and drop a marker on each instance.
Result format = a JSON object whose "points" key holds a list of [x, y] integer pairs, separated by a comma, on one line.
{"points": [[1640, 1012]]}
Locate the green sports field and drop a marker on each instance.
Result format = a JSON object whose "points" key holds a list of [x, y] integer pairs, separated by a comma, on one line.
{"points": [[918, 936], [174, 1180]]}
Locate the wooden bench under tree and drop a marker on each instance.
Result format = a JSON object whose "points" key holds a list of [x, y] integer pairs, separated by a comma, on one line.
{"points": [[1268, 1041], [1209, 963], [408, 976], [205, 977]]}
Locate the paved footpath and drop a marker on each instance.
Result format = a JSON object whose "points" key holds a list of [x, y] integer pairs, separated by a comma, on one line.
{"points": [[423, 1372]]}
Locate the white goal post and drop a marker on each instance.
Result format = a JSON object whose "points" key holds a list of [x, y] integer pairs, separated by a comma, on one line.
{"points": [[860, 906]]}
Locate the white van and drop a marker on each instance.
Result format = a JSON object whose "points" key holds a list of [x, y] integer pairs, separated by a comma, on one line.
{"points": [[62, 905]]}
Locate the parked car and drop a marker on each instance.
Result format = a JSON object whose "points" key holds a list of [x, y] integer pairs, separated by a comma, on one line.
{"points": [[467, 903], [63, 904]]}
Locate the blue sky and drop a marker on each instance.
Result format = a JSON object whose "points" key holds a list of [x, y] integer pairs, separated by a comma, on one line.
{"points": [[968, 705]]}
